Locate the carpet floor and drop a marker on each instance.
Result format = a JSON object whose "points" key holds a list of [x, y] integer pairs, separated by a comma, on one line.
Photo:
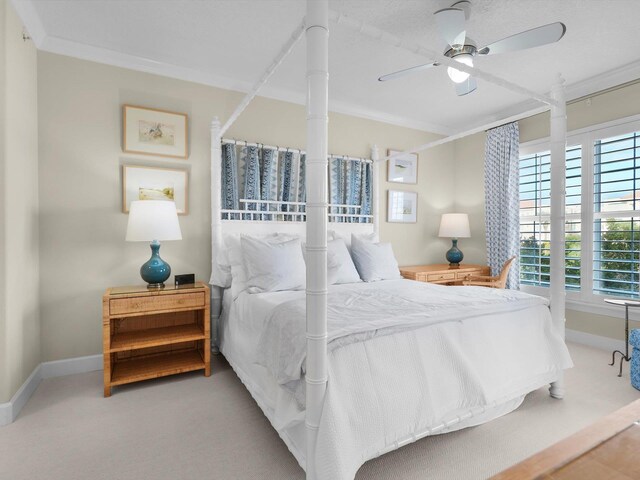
{"points": [[197, 428]]}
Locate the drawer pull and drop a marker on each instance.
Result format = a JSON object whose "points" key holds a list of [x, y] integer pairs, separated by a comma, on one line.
{"points": [[441, 276]]}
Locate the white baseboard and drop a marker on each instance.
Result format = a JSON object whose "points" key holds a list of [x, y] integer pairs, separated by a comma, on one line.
{"points": [[9, 411], [69, 366], [58, 368], [596, 341]]}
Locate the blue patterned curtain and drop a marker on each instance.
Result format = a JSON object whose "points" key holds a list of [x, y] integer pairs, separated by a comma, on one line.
{"points": [[350, 183], [259, 173], [337, 186], [501, 182], [285, 183], [229, 190], [366, 192], [302, 181], [251, 191], [354, 186], [269, 179]]}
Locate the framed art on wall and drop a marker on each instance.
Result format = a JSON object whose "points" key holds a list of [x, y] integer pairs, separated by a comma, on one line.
{"points": [[402, 169], [402, 207], [149, 131], [155, 183]]}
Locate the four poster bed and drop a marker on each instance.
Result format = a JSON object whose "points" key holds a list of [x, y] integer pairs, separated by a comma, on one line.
{"points": [[347, 371]]}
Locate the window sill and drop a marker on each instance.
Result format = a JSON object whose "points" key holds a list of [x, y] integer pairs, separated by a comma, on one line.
{"points": [[595, 305]]}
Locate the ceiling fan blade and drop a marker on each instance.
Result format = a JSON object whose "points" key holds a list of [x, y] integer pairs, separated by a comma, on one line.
{"points": [[531, 38], [406, 71], [450, 23], [466, 87]]}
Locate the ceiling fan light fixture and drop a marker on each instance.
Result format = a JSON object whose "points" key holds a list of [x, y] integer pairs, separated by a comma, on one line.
{"points": [[457, 76]]}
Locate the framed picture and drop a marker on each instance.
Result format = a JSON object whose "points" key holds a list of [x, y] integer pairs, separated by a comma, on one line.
{"points": [[154, 132], [155, 183], [402, 207], [402, 169]]}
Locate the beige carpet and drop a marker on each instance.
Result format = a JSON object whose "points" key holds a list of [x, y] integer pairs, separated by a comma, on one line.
{"points": [[190, 427]]}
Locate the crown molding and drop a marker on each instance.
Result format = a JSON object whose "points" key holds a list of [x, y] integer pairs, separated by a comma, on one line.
{"points": [[603, 81], [48, 43], [70, 48], [29, 15], [583, 88], [31, 20]]}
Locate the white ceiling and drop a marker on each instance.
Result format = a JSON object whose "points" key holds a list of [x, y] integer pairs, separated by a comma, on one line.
{"points": [[229, 43]]}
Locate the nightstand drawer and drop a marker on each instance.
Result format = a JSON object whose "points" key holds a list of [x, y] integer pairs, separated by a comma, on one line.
{"points": [[468, 273], [161, 302], [436, 277]]}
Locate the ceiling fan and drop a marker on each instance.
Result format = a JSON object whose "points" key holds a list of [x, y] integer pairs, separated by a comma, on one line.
{"points": [[451, 26]]}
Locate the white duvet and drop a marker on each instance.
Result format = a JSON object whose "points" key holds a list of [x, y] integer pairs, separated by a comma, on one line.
{"points": [[404, 357], [367, 311]]}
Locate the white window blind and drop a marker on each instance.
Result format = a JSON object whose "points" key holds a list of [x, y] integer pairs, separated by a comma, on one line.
{"points": [[616, 215], [535, 204]]}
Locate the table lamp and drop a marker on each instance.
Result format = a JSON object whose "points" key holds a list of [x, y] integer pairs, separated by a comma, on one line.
{"points": [[152, 221], [454, 226]]}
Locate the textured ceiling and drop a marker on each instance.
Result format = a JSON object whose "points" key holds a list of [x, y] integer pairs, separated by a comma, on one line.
{"points": [[236, 40]]}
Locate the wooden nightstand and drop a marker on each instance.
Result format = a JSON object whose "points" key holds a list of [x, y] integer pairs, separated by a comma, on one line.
{"points": [[153, 333], [442, 274]]}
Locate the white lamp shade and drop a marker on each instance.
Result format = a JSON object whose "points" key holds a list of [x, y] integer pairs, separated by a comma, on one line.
{"points": [[153, 220], [455, 225]]}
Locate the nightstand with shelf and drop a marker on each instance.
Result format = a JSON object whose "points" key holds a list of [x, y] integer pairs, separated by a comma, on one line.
{"points": [[151, 333]]}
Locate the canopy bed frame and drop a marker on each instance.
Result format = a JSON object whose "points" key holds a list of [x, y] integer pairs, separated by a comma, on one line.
{"points": [[315, 27]]}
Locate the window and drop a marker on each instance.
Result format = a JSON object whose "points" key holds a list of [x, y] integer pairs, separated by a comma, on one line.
{"points": [[534, 219], [616, 236], [602, 194], [535, 203]]}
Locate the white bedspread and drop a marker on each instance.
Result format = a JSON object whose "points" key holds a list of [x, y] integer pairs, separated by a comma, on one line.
{"points": [[367, 311], [404, 357]]}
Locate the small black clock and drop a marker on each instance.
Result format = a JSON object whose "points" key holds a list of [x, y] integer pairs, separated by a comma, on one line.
{"points": [[185, 279]]}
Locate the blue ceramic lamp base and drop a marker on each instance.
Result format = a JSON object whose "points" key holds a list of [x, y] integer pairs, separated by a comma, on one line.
{"points": [[155, 271], [454, 254]]}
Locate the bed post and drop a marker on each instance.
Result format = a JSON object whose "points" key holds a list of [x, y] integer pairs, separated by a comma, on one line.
{"points": [[558, 175], [317, 118], [375, 158], [216, 224]]}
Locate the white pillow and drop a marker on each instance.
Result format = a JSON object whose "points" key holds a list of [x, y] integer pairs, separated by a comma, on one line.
{"points": [[221, 271], [340, 267], [238, 275], [272, 265], [368, 237], [221, 274], [365, 237], [233, 255], [374, 261]]}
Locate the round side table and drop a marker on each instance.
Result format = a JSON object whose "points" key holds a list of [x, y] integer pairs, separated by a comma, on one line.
{"points": [[624, 357]]}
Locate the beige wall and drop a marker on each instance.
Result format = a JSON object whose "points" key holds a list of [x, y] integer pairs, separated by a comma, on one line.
{"points": [[4, 370], [19, 277], [605, 107], [82, 228], [469, 194], [469, 161]]}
